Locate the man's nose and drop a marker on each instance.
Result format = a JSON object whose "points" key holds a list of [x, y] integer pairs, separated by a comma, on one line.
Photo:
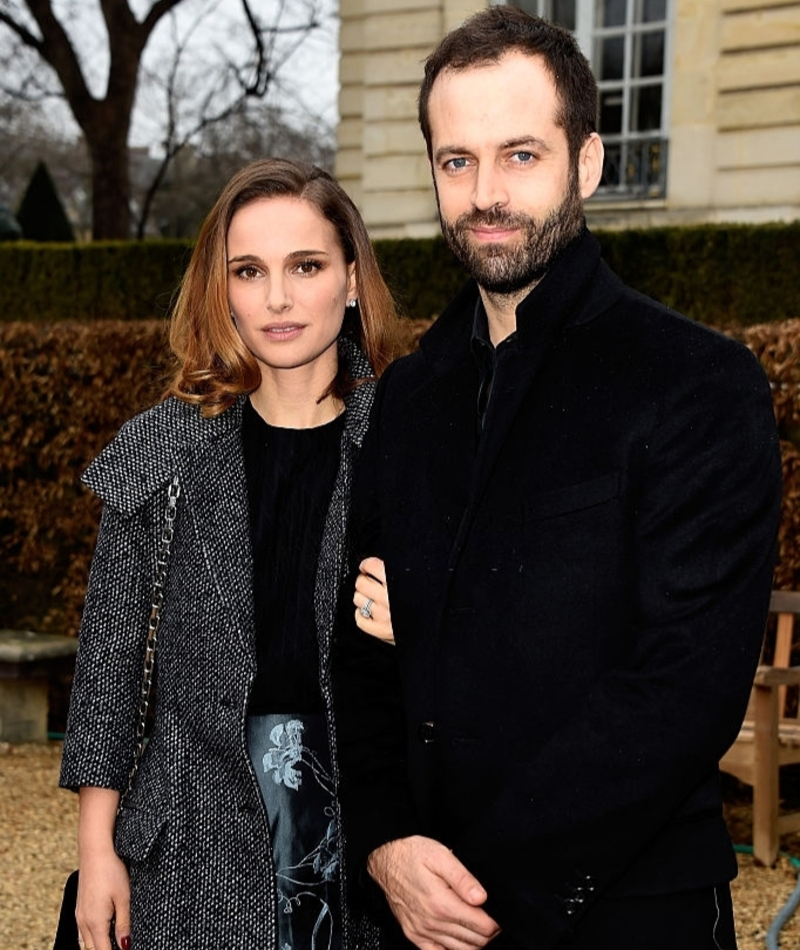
{"points": [[489, 189]]}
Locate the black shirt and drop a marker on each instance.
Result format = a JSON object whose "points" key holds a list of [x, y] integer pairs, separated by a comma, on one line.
{"points": [[290, 478], [491, 360]]}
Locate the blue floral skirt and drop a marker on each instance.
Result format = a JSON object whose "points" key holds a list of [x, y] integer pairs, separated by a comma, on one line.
{"points": [[291, 758]]}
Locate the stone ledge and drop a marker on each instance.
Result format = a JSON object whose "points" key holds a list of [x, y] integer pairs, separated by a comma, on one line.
{"points": [[27, 659], [23, 652]]}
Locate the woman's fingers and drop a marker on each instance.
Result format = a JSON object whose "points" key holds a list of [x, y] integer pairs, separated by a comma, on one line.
{"points": [[371, 599], [375, 567]]}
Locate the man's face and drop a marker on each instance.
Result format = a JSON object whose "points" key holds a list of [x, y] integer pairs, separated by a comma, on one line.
{"points": [[509, 197]]}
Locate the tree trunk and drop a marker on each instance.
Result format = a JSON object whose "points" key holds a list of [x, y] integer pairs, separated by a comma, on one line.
{"points": [[111, 213]]}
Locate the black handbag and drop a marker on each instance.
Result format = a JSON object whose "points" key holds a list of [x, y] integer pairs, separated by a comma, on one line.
{"points": [[67, 930]]}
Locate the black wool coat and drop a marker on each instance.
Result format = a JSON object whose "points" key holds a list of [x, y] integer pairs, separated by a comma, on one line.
{"points": [[578, 602], [193, 829]]}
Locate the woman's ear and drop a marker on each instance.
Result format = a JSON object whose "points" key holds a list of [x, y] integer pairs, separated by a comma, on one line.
{"points": [[590, 165], [352, 285]]}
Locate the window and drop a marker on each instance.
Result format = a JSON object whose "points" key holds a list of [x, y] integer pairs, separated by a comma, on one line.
{"points": [[626, 42]]}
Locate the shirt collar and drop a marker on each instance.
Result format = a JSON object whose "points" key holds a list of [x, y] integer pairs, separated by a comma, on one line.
{"points": [[481, 341]]}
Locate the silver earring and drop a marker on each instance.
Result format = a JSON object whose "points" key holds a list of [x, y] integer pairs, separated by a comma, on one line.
{"points": [[352, 303]]}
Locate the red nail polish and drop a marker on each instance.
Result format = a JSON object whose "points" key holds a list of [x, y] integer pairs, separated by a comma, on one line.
{"points": [[125, 943]]}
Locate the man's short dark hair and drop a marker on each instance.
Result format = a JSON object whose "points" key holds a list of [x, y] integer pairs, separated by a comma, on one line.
{"points": [[487, 36]]}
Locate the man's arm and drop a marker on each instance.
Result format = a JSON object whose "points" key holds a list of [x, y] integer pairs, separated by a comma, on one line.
{"points": [[568, 824], [433, 896]]}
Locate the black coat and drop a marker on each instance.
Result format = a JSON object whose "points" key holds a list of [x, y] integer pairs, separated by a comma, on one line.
{"points": [[578, 610]]}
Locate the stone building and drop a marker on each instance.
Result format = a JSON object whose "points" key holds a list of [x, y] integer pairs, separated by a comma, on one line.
{"points": [[699, 107]]}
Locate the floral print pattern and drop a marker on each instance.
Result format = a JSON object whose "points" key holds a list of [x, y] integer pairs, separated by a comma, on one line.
{"points": [[290, 756]]}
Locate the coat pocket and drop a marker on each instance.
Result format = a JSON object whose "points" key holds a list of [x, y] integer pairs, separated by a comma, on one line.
{"points": [[578, 497], [140, 822]]}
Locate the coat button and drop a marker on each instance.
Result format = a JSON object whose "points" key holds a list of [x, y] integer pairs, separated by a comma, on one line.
{"points": [[428, 732]]}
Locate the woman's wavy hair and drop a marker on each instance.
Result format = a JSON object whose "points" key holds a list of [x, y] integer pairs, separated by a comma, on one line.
{"points": [[214, 366]]}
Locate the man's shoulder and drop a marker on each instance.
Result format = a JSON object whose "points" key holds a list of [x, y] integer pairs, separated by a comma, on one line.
{"points": [[662, 334]]}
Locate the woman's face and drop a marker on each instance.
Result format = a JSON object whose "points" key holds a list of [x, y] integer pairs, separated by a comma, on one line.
{"points": [[288, 284]]}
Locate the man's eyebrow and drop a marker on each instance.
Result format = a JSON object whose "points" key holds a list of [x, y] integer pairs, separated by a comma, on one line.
{"points": [[530, 141], [450, 150]]}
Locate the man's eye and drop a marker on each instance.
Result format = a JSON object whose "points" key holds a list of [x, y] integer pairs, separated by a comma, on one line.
{"points": [[524, 157], [456, 163]]}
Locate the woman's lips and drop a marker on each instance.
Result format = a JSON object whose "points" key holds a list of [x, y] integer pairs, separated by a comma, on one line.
{"points": [[281, 332]]}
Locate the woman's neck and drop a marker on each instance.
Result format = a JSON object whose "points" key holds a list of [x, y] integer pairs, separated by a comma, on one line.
{"points": [[289, 402]]}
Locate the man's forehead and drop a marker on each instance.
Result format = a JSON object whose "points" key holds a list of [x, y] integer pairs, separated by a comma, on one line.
{"points": [[507, 100]]}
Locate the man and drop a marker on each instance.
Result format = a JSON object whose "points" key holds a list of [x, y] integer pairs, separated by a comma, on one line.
{"points": [[575, 493]]}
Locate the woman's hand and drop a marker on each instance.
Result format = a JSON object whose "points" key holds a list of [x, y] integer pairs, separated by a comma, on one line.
{"points": [[103, 884], [372, 600]]}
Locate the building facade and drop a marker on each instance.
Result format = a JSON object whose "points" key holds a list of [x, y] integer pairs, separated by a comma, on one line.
{"points": [[699, 107]]}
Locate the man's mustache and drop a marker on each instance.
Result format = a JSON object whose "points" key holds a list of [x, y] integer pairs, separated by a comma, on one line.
{"points": [[493, 218]]}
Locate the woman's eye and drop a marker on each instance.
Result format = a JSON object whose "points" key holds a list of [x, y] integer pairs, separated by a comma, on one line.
{"points": [[308, 267], [247, 272]]}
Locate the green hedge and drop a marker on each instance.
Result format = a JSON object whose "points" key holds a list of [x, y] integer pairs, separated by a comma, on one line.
{"points": [[119, 280], [724, 275]]}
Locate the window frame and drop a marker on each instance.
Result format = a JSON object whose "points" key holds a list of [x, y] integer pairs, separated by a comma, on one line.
{"points": [[653, 144]]}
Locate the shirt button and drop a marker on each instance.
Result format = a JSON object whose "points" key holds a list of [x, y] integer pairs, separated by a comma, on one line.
{"points": [[428, 732]]}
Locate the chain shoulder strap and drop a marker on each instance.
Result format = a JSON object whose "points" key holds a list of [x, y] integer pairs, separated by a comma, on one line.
{"points": [[162, 562]]}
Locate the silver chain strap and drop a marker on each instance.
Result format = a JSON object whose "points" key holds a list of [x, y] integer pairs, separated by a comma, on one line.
{"points": [[162, 562]]}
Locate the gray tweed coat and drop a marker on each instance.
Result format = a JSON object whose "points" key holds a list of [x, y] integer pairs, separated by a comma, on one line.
{"points": [[193, 829]]}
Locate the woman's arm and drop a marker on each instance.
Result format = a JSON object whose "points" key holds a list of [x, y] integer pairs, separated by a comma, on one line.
{"points": [[103, 887]]}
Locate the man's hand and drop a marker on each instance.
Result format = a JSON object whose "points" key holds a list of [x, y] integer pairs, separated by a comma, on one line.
{"points": [[433, 896]]}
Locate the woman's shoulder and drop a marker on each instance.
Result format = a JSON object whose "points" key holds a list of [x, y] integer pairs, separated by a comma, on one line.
{"points": [[144, 454]]}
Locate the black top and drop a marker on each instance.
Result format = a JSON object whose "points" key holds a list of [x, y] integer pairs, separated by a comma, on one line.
{"points": [[290, 478]]}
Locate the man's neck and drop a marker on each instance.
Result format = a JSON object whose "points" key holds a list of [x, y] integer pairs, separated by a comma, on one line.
{"points": [[501, 311]]}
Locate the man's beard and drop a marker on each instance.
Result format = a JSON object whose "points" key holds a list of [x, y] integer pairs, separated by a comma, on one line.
{"points": [[509, 268]]}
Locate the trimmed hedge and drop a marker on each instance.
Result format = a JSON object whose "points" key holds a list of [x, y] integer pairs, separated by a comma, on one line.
{"points": [[117, 280], [722, 275], [67, 387]]}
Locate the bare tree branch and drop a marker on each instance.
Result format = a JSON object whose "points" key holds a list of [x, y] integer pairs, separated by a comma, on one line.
{"points": [[56, 49], [199, 92], [22, 32]]}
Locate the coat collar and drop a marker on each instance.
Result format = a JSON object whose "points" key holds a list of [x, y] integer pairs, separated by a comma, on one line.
{"points": [[170, 437], [578, 288]]}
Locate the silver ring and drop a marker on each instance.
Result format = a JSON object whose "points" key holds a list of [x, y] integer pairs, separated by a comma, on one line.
{"points": [[366, 609]]}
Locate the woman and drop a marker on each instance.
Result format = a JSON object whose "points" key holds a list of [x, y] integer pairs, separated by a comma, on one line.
{"points": [[228, 834]]}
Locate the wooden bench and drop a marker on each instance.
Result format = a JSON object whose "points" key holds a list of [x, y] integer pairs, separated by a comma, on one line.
{"points": [[770, 735], [27, 660]]}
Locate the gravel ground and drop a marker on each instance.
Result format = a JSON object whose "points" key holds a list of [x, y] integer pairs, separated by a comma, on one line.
{"points": [[37, 852]]}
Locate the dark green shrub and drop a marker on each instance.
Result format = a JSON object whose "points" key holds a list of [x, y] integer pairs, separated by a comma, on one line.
{"points": [[723, 275], [41, 214]]}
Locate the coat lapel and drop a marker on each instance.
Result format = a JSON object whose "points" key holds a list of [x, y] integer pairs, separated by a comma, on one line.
{"points": [[460, 475], [444, 408], [215, 488]]}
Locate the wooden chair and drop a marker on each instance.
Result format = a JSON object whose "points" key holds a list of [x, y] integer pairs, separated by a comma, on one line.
{"points": [[769, 738]]}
